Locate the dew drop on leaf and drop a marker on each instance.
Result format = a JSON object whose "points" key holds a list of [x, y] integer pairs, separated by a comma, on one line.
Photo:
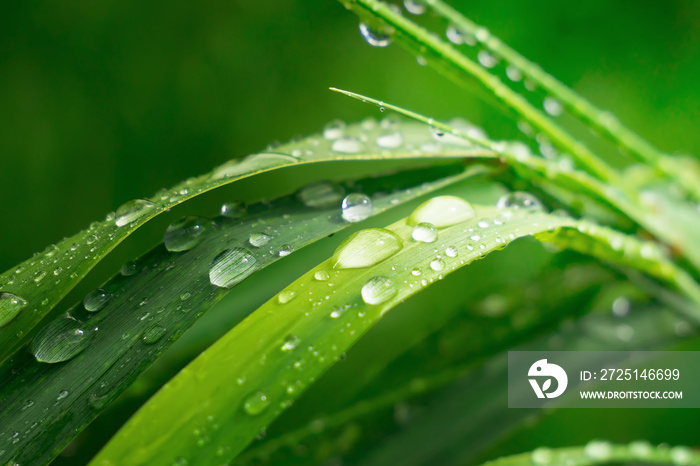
{"points": [[374, 38], [256, 403], [486, 59], [132, 210], [378, 290], [231, 267], [598, 450], [153, 334], [414, 7], [437, 265], [61, 340], [321, 275], [542, 456], [285, 250], [424, 232], [285, 296], [442, 211], [186, 233], [356, 207], [347, 145], [96, 300], [258, 240], [128, 269], [391, 140], [366, 248], [519, 200], [552, 106], [233, 209], [10, 305], [290, 342], [334, 130], [321, 194]]}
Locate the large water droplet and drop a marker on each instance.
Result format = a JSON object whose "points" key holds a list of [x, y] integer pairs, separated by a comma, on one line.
{"points": [[519, 200], [597, 450], [486, 59], [390, 140], [681, 456], [356, 207], [321, 194], [374, 38], [285, 296], [378, 290], [10, 305], [437, 265], [347, 145], [414, 7], [258, 240], [425, 233], [132, 210], [61, 340], [334, 129], [256, 403], [442, 211], [231, 267], [186, 233], [96, 300], [366, 248]]}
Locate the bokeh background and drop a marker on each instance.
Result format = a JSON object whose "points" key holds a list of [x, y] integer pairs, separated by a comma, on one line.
{"points": [[102, 102]]}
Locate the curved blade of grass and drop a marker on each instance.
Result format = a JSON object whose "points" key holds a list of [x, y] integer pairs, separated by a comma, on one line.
{"points": [[601, 120], [203, 415], [45, 279], [601, 452], [46, 405], [443, 55], [655, 220]]}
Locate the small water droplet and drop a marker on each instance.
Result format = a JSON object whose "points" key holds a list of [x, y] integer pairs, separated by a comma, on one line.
{"points": [[337, 312], [640, 448], [62, 395], [321, 194], [285, 250], [514, 73], [258, 240], [10, 305], [334, 129], [414, 7], [451, 252], [437, 265], [378, 290], [374, 38], [597, 450], [285, 296], [231, 267], [519, 200], [153, 334], [233, 209], [96, 300], [442, 211], [542, 456], [132, 211], [486, 59], [552, 106], [425, 233], [390, 140], [356, 207], [129, 269], [347, 145], [321, 275], [186, 233], [415, 272], [366, 248], [290, 342], [681, 456], [256, 404], [60, 340]]}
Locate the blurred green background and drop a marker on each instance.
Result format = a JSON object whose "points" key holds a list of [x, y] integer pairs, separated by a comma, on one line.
{"points": [[106, 101]]}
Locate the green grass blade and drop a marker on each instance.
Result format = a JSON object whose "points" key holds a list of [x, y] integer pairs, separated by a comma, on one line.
{"points": [[288, 343], [149, 310], [601, 452], [41, 282], [601, 120]]}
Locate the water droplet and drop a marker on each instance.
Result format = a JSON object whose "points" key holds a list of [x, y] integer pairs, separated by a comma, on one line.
{"points": [[347, 145], [442, 211], [256, 404], [390, 140], [374, 38], [258, 239], [681, 456], [233, 209], [451, 252], [366, 248], [519, 200], [414, 7], [356, 207], [153, 334], [62, 395], [621, 306], [321, 275], [378, 290], [186, 233], [425, 233], [514, 73], [96, 300], [542, 456], [231, 267], [131, 211], [285, 296], [640, 448], [552, 106], [486, 59], [321, 194], [10, 305], [454, 35], [60, 340], [415, 272], [334, 130], [129, 269], [597, 450], [437, 265], [290, 343], [285, 250]]}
